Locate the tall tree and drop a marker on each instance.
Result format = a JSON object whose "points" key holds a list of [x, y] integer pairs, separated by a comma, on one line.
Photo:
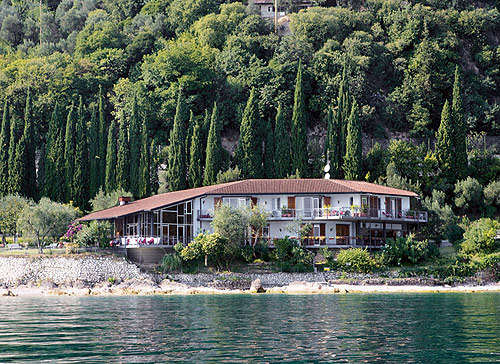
{"points": [[123, 161], [250, 142], [94, 159], [155, 162], [101, 152], [135, 147], [80, 186], [299, 128], [144, 165], [176, 172], [110, 181], [69, 153], [4, 150], [196, 156], [213, 154], [54, 160], [459, 129], [15, 135], [268, 162], [282, 146], [444, 143], [333, 152], [24, 161], [353, 160]]}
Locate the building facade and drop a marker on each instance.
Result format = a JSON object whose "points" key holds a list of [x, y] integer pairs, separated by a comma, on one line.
{"points": [[341, 213], [266, 8]]}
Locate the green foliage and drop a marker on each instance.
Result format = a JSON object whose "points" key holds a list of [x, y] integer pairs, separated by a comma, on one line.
{"points": [[374, 163], [282, 145], [47, 219], [196, 155], [257, 220], [96, 233], [479, 238], [231, 223], [250, 146], [355, 260], [444, 143], [442, 222], [103, 200], [269, 152], [213, 153], [459, 129], [288, 255], [176, 172], [69, 152], [4, 150], [171, 262], [299, 127], [468, 194], [135, 147], [54, 160], [492, 194], [213, 247], [231, 175], [80, 186], [408, 250], [11, 207], [110, 181], [144, 165], [354, 153], [102, 142], [123, 158]]}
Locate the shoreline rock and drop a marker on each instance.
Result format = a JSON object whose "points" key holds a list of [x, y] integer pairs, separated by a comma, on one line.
{"points": [[107, 275]]}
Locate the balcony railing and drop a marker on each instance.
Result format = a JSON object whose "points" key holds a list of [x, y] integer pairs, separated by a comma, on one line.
{"points": [[337, 213], [140, 241]]}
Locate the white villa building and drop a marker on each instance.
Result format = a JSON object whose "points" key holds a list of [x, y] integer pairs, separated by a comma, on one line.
{"points": [[342, 213], [266, 8]]}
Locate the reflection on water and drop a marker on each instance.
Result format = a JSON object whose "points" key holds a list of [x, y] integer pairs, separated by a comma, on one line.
{"points": [[381, 328]]}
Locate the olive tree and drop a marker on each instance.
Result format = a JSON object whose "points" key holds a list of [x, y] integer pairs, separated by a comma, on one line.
{"points": [[11, 207], [47, 219], [231, 223]]}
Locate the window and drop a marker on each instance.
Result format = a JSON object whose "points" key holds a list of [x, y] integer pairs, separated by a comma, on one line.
{"points": [[276, 204], [265, 232], [316, 231], [235, 201], [351, 201], [310, 204]]}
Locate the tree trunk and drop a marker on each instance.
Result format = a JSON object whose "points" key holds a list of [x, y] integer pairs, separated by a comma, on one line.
{"points": [[206, 260]]}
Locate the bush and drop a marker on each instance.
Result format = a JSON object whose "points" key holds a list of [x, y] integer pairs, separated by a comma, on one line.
{"points": [[290, 256], [96, 233], [212, 247], [355, 260], [468, 194], [407, 250], [262, 251], [171, 262], [479, 238], [492, 194]]}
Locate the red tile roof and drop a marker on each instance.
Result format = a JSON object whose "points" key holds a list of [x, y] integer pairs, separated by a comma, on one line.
{"points": [[249, 187]]}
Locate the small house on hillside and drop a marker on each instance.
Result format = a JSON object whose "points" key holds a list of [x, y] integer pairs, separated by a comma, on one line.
{"points": [[266, 8], [342, 213]]}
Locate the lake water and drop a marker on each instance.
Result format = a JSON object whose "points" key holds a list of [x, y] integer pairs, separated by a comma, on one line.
{"points": [[353, 328]]}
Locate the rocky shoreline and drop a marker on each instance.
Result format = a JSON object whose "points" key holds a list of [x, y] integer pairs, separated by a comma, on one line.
{"points": [[109, 275]]}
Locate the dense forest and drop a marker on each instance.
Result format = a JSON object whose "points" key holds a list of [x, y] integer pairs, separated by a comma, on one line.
{"points": [[103, 94]]}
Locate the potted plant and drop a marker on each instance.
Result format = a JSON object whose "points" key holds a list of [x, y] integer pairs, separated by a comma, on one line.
{"points": [[355, 210], [364, 209]]}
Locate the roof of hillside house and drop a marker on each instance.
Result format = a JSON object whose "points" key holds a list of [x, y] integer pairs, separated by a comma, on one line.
{"points": [[249, 187]]}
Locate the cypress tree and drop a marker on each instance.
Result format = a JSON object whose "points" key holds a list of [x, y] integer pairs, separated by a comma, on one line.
{"points": [[269, 165], [176, 172], [155, 165], [69, 153], [54, 160], [213, 154], [444, 143], [94, 160], [101, 152], [353, 159], [334, 143], [135, 148], [24, 161], [80, 186], [459, 130], [250, 143], [341, 118], [4, 150], [189, 134], [15, 136], [299, 129], [282, 147], [123, 161], [110, 181], [196, 156], [144, 173], [40, 176]]}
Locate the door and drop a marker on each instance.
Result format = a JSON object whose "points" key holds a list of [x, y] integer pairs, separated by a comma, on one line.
{"points": [[342, 237], [291, 205], [322, 234], [374, 206]]}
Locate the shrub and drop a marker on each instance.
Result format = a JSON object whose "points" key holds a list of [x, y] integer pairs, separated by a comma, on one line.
{"points": [[407, 250], [262, 251], [492, 194], [468, 194], [355, 260], [171, 262], [96, 233], [479, 238], [212, 247], [246, 254], [290, 256]]}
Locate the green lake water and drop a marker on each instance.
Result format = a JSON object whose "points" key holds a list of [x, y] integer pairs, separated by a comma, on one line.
{"points": [[352, 328]]}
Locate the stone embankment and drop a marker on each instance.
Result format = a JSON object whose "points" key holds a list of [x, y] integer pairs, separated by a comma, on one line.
{"points": [[108, 275]]}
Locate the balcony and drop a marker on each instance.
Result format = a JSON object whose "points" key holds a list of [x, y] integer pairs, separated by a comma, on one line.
{"points": [[337, 213]]}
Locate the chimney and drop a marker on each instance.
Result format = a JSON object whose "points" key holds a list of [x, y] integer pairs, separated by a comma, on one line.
{"points": [[124, 200]]}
